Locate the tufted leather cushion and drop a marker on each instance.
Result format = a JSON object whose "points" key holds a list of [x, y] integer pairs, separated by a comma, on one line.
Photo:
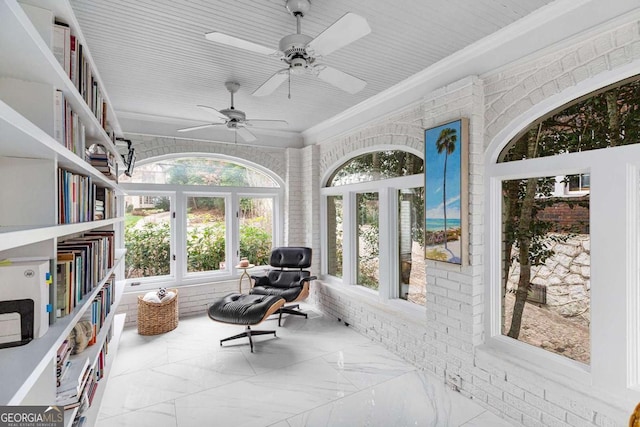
{"points": [[285, 279], [241, 309], [291, 257], [289, 294]]}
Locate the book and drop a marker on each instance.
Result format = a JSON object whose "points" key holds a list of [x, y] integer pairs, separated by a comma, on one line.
{"points": [[61, 43], [62, 351], [62, 371], [58, 117], [75, 379], [73, 73], [64, 276]]}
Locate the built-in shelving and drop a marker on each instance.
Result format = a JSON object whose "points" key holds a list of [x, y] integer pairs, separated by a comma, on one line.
{"points": [[32, 60], [30, 160], [12, 237], [92, 413], [21, 138], [22, 366]]}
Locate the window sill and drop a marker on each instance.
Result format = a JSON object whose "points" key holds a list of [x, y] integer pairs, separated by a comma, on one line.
{"points": [[555, 369], [537, 360], [153, 283]]}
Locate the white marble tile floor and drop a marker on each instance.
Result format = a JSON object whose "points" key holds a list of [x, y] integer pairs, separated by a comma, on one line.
{"points": [[316, 372]]}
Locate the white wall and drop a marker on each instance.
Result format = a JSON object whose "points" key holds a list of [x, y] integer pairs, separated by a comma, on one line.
{"points": [[448, 338]]}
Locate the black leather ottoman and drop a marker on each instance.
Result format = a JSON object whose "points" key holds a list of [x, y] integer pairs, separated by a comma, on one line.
{"points": [[248, 310]]}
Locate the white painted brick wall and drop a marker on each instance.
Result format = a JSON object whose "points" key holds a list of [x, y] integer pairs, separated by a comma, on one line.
{"points": [[445, 340], [192, 299], [294, 208], [511, 91]]}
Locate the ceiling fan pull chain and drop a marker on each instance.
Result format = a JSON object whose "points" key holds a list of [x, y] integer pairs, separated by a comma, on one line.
{"points": [[289, 84]]}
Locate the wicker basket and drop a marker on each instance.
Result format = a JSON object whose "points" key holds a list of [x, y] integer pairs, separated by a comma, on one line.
{"points": [[157, 318]]}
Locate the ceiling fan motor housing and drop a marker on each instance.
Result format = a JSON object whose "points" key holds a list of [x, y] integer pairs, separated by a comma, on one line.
{"points": [[294, 51], [235, 116]]}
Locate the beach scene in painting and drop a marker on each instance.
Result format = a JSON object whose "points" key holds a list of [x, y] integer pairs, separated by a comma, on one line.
{"points": [[442, 193]]}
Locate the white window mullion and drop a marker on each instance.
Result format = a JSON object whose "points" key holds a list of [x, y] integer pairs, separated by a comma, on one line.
{"points": [[633, 277], [608, 215], [178, 234], [349, 236], [324, 241], [387, 242], [232, 213]]}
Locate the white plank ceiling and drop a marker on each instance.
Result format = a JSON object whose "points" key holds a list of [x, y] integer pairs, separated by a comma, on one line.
{"points": [[157, 65]]}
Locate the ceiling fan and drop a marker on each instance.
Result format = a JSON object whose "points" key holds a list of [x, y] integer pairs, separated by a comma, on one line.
{"points": [[301, 52], [235, 119]]}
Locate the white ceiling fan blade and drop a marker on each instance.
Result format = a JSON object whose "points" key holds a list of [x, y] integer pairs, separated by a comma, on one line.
{"points": [[239, 43], [218, 114], [198, 127], [266, 123], [340, 79], [272, 83], [245, 134], [345, 30]]}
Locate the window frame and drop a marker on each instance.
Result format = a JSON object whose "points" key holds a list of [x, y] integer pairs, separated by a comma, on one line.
{"points": [[387, 189], [614, 281], [149, 282], [181, 252], [179, 275]]}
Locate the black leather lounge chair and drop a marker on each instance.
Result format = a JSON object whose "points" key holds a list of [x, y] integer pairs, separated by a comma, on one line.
{"points": [[288, 279]]}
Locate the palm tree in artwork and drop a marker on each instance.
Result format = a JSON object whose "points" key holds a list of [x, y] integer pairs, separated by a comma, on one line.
{"points": [[446, 143]]}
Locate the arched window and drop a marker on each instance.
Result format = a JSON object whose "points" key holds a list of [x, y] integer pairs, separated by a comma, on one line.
{"points": [[372, 198], [561, 227], [376, 166], [199, 171], [188, 218]]}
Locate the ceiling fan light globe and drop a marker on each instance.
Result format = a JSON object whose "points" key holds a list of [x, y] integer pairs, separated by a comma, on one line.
{"points": [[298, 66]]}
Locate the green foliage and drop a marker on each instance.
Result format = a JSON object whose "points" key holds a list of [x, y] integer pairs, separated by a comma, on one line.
{"points": [[131, 219], [148, 247], [162, 203], [205, 247], [255, 244], [606, 119], [204, 171], [368, 239], [377, 165]]}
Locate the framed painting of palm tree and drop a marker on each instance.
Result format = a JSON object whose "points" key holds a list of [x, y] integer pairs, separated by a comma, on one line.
{"points": [[446, 149]]}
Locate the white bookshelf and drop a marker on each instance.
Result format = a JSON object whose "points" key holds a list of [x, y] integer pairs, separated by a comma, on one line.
{"points": [[11, 237], [33, 61], [30, 158], [92, 413], [22, 366]]}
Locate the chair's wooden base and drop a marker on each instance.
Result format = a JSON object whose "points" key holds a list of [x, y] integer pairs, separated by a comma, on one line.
{"points": [[248, 333], [290, 309]]}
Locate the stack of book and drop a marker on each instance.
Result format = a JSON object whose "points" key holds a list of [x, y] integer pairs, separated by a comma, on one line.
{"points": [[103, 160], [72, 391], [98, 210], [62, 361]]}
